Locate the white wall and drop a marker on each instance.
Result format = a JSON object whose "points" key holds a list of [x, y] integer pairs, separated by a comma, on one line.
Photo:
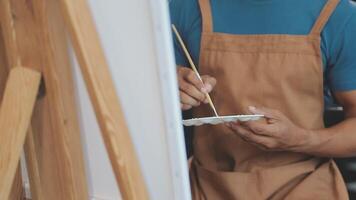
{"points": [[138, 48]]}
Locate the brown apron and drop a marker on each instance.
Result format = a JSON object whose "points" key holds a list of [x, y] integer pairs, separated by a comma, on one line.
{"points": [[282, 72]]}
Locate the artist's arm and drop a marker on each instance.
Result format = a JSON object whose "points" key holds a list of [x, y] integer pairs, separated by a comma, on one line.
{"points": [[281, 134], [339, 140]]}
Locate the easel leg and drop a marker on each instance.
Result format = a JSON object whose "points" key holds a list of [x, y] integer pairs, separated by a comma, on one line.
{"points": [[55, 124], [4, 72], [102, 93], [32, 166], [15, 117]]}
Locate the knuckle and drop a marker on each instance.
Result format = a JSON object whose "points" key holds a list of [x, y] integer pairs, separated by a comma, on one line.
{"points": [[180, 81], [239, 130], [185, 99], [181, 71], [213, 81], [259, 131], [256, 129], [245, 137], [201, 97], [182, 85], [246, 134], [185, 87], [269, 145], [191, 75], [193, 102], [190, 88]]}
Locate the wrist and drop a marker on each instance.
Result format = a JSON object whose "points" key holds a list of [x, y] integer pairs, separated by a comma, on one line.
{"points": [[310, 140]]}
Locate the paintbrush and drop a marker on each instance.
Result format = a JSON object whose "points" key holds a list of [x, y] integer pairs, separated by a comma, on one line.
{"points": [[193, 66]]}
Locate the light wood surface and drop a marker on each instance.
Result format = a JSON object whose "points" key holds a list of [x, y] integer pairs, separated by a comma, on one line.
{"points": [[102, 93], [35, 37], [9, 35], [15, 116], [33, 169], [4, 70], [17, 186]]}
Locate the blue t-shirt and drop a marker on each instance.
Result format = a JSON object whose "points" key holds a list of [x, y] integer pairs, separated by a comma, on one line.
{"points": [[277, 17]]}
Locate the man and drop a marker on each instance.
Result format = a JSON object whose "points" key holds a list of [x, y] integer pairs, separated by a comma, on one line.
{"points": [[278, 58]]}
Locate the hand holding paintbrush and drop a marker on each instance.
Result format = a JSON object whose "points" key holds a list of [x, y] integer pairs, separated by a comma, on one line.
{"points": [[192, 90], [196, 80]]}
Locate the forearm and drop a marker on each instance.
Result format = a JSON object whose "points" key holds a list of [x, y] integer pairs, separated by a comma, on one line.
{"points": [[336, 141]]}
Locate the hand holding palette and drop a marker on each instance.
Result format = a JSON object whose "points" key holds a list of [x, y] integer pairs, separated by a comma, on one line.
{"points": [[220, 119]]}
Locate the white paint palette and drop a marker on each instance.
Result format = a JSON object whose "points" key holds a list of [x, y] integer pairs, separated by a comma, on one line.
{"points": [[220, 119]]}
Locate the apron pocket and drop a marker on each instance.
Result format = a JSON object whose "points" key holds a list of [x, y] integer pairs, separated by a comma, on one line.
{"points": [[261, 184]]}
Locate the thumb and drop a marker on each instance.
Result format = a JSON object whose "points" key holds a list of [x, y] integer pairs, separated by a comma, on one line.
{"points": [[268, 113], [209, 83]]}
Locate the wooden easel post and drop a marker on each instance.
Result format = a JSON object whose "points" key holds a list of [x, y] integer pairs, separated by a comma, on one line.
{"points": [[17, 191], [32, 167], [103, 96], [15, 117]]}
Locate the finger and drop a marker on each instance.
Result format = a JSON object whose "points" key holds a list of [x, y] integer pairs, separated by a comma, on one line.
{"points": [[262, 142], [185, 106], [240, 133], [191, 90], [231, 124], [188, 100], [243, 132], [209, 83], [249, 135], [267, 112], [192, 78], [206, 100], [261, 128]]}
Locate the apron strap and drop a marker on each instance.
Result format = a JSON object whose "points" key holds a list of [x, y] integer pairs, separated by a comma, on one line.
{"points": [[324, 16], [207, 19]]}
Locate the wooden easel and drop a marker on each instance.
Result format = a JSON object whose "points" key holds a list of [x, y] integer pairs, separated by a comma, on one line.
{"points": [[33, 36]]}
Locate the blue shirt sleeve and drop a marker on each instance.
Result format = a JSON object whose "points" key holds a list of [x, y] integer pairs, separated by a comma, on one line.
{"points": [[342, 60], [184, 15], [176, 8]]}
